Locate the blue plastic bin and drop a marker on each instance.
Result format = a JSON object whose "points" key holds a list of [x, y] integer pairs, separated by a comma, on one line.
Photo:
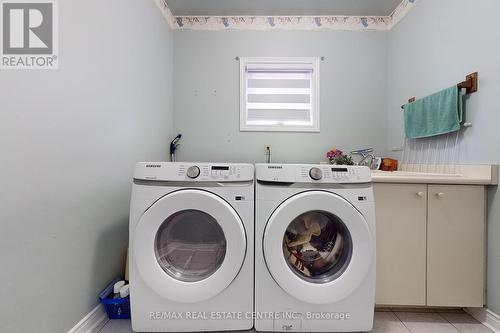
{"points": [[115, 308]]}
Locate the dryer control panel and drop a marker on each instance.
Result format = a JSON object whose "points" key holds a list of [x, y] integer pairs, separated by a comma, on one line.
{"points": [[313, 173], [196, 172]]}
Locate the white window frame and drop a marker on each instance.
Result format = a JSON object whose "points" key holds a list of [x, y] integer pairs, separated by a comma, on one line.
{"points": [[315, 93]]}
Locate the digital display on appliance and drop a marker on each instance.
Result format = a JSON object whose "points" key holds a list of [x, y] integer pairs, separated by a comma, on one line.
{"points": [[340, 170], [224, 168]]}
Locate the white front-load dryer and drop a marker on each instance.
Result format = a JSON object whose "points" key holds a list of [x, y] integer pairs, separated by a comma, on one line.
{"points": [[314, 248], [191, 247]]}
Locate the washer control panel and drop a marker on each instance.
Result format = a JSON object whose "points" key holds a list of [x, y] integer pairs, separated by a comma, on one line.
{"points": [[315, 173], [304, 173], [193, 172], [180, 171]]}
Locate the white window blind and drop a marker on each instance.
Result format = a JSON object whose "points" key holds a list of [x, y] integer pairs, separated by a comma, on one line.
{"points": [[279, 94]]}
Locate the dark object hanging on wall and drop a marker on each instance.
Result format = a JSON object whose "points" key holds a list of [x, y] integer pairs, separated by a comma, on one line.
{"points": [[173, 147]]}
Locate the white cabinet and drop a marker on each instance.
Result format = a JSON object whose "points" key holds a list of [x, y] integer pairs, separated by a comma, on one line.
{"points": [[456, 245], [401, 215], [430, 244]]}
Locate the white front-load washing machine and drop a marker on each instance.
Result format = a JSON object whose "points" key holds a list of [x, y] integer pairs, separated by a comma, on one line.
{"points": [[191, 247], [314, 248]]}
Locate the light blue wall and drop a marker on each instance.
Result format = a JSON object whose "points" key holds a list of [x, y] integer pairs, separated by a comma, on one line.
{"points": [[206, 90], [69, 139], [434, 47]]}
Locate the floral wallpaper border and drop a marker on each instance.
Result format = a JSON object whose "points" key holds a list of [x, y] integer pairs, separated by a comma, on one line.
{"points": [[401, 11], [167, 14], [348, 23]]}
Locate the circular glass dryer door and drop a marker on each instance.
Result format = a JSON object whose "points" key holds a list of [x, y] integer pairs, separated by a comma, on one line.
{"points": [[189, 245], [318, 247]]}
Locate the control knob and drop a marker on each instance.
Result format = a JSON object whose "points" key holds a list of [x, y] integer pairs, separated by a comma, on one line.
{"points": [[193, 172], [316, 173]]}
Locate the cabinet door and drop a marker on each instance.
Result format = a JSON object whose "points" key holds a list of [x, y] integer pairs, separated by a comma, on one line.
{"points": [[401, 240], [455, 246]]}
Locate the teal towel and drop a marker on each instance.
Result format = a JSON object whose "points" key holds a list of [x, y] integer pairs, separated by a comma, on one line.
{"points": [[436, 114]]}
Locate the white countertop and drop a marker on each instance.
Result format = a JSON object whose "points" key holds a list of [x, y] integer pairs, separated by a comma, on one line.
{"points": [[440, 174]]}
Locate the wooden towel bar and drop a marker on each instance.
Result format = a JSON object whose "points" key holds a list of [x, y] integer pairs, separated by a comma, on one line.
{"points": [[470, 84]]}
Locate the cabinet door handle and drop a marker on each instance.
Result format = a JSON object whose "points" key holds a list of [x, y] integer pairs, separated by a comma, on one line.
{"points": [[420, 194], [440, 194]]}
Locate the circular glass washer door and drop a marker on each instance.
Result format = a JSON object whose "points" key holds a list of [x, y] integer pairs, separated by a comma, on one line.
{"points": [[189, 245], [318, 247]]}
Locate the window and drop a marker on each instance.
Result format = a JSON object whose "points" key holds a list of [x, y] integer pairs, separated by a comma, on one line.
{"points": [[279, 94]]}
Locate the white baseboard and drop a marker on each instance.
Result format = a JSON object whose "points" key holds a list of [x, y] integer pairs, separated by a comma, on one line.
{"points": [[92, 322], [486, 317]]}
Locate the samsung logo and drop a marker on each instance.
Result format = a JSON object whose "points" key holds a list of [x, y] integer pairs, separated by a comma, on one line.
{"points": [[275, 167], [153, 165]]}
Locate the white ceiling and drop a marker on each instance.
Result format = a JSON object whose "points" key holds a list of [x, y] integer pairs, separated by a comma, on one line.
{"points": [[282, 7]]}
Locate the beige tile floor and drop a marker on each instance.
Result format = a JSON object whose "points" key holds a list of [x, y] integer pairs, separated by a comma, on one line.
{"points": [[385, 322]]}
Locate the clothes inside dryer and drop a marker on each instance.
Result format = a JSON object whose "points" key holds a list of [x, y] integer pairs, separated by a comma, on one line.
{"points": [[190, 245], [317, 246]]}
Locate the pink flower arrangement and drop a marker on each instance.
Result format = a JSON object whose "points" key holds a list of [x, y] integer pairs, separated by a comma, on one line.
{"points": [[337, 156], [334, 153]]}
